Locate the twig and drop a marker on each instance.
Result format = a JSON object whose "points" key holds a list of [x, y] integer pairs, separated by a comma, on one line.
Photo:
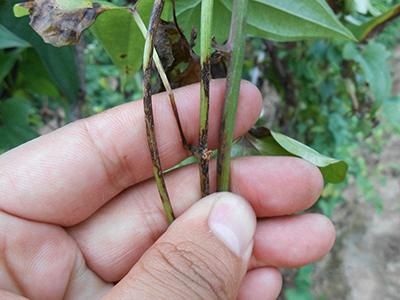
{"points": [[237, 42], [378, 29], [176, 19], [148, 109], [206, 26], [164, 79]]}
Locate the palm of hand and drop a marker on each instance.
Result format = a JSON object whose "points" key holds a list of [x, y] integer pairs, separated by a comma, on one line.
{"points": [[80, 211]]}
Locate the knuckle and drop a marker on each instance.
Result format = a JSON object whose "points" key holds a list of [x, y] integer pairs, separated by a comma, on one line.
{"points": [[196, 271]]}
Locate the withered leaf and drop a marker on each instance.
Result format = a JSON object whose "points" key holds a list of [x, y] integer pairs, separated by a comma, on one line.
{"points": [[61, 22], [181, 63]]}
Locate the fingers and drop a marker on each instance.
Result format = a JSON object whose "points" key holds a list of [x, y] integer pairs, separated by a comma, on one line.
{"points": [[65, 176], [293, 241], [41, 261], [33, 252], [261, 284], [203, 255], [279, 242], [10, 296], [114, 238], [277, 186]]}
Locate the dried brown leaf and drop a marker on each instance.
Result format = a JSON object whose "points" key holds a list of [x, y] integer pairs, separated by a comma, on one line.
{"points": [[181, 63], [61, 24]]}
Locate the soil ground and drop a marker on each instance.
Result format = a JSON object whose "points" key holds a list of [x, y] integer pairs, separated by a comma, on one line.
{"points": [[365, 262]]}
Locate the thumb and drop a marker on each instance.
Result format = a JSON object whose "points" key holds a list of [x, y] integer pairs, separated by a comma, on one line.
{"points": [[204, 254]]}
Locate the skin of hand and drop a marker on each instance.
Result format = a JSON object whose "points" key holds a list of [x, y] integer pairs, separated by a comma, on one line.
{"points": [[80, 216]]}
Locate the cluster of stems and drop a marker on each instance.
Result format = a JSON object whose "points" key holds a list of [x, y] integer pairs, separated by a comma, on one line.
{"points": [[236, 44]]}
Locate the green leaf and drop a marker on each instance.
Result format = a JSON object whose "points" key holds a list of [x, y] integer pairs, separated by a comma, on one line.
{"points": [[72, 5], [20, 11], [362, 31], [189, 18], [373, 60], [273, 143], [10, 40], [14, 123], [33, 77], [357, 6], [287, 20], [332, 169], [121, 38], [302, 19], [7, 62], [186, 5]]}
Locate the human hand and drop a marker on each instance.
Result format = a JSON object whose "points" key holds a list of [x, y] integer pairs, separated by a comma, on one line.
{"points": [[80, 212]]}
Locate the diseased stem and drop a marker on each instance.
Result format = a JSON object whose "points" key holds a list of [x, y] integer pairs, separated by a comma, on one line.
{"points": [[148, 109], [206, 26], [237, 42], [164, 78]]}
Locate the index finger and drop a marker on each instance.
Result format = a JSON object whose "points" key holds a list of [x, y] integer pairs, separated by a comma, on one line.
{"points": [[65, 176]]}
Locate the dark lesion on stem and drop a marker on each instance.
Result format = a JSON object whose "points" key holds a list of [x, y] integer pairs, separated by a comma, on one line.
{"points": [[162, 62], [205, 153], [205, 78], [148, 110]]}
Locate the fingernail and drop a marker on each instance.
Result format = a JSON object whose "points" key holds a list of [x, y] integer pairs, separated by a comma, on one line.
{"points": [[233, 221]]}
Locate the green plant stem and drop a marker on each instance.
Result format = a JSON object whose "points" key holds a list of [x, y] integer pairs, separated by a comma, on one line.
{"points": [[163, 76], [148, 109], [237, 44], [205, 58]]}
